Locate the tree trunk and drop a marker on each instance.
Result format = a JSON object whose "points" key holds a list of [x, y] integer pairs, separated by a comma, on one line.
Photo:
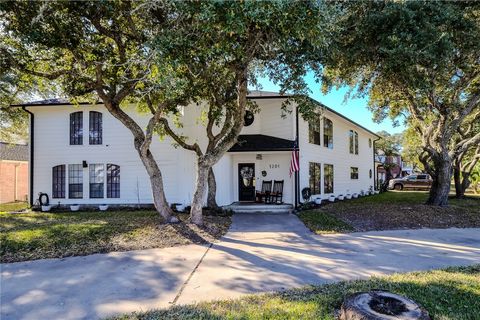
{"points": [[441, 183], [457, 177], [196, 214], [212, 190], [156, 181]]}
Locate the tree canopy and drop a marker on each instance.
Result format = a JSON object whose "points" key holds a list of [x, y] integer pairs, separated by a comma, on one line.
{"points": [[418, 60]]}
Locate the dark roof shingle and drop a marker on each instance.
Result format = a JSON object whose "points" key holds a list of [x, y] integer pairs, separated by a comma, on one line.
{"points": [[15, 152], [260, 142]]}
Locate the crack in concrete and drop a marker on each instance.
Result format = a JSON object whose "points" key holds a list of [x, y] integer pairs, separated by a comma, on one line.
{"points": [[190, 277]]}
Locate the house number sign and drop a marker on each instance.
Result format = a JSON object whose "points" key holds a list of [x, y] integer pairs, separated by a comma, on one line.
{"points": [[274, 166]]}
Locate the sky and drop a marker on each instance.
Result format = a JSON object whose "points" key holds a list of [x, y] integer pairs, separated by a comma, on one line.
{"points": [[353, 108]]}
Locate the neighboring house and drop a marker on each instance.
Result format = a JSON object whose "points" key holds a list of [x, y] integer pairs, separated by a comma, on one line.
{"points": [[83, 155], [13, 172], [401, 169]]}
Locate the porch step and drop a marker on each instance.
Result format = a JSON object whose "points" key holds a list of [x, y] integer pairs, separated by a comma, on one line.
{"points": [[260, 208]]}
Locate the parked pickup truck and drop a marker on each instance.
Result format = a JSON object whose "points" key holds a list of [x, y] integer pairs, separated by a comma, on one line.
{"points": [[413, 181]]}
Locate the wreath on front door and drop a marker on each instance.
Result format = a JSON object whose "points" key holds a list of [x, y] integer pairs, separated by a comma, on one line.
{"points": [[247, 175]]}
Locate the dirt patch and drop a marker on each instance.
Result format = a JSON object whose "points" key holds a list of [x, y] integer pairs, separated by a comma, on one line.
{"points": [[368, 216]]}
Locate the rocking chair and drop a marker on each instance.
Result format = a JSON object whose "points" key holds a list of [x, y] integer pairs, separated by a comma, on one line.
{"points": [[266, 189], [276, 196]]}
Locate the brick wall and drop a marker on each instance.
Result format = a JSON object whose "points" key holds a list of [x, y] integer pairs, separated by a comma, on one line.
{"points": [[11, 190]]}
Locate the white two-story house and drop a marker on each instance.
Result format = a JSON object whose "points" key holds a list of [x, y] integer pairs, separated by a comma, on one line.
{"points": [[83, 155]]}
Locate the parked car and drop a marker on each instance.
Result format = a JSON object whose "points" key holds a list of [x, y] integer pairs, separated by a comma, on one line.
{"points": [[413, 181]]}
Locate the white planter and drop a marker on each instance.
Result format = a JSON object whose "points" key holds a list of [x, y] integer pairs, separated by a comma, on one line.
{"points": [[340, 197], [103, 207], [46, 208], [376, 191], [74, 207], [348, 196], [331, 198], [318, 200], [355, 195]]}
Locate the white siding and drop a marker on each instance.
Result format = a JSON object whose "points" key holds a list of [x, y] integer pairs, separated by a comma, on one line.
{"points": [[52, 147], [339, 156]]}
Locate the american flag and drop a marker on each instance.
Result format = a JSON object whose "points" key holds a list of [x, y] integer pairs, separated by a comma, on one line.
{"points": [[294, 164]]}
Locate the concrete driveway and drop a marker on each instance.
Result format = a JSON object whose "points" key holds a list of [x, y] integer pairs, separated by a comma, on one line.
{"points": [[259, 253]]}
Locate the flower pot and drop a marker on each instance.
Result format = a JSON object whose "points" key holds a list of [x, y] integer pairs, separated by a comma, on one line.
{"points": [[340, 197], [46, 208], [331, 198], [376, 191], [103, 207], [355, 195], [318, 200], [74, 207], [348, 196]]}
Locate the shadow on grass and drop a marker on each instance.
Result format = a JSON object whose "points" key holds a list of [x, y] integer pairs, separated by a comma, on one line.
{"points": [[447, 294]]}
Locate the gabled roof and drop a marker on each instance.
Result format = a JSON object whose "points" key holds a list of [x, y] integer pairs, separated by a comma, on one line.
{"points": [[260, 142], [14, 152], [253, 94]]}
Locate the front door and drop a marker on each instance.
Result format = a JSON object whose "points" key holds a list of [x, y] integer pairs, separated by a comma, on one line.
{"points": [[246, 182]]}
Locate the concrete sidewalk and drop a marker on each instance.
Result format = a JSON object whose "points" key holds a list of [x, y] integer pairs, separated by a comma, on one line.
{"points": [[259, 253]]}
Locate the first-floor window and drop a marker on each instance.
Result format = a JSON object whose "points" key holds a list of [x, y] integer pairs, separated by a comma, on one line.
{"points": [[75, 181], [58, 181], [113, 181], [328, 178], [314, 169], [96, 176], [353, 173]]}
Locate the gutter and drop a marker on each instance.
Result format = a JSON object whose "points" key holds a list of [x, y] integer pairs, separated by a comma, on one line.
{"points": [[32, 141]]}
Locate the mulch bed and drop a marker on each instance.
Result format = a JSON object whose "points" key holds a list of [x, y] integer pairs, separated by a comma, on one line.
{"points": [[391, 216]]}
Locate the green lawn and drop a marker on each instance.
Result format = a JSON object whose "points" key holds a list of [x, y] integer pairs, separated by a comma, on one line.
{"points": [[13, 206], [37, 235], [392, 210], [447, 294]]}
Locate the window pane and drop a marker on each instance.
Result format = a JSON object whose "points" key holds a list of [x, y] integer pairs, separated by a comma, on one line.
{"points": [[353, 173], [76, 128], [95, 128], [350, 136], [328, 178], [356, 142], [75, 181], [113, 181], [327, 133], [314, 131], [96, 177], [314, 178], [58, 181]]}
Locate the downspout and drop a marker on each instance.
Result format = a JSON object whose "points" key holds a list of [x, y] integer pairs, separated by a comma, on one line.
{"points": [[32, 139], [374, 166], [297, 173]]}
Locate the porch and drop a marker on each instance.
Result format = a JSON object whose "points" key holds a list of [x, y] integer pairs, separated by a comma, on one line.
{"points": [[254, 207]]}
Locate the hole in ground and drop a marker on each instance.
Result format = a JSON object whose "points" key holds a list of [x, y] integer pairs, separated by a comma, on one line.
{"points": [[387, 305]]}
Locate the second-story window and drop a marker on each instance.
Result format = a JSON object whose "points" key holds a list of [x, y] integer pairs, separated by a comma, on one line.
{"points": [[327, 133], [76, 128], [95, 127], [353, 142], [314, 131]]}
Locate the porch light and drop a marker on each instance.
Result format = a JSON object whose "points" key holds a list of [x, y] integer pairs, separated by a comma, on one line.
{"points": [[259, 156]]}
